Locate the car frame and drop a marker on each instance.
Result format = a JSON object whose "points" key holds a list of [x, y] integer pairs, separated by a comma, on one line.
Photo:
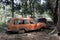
{"points": [[27, 26]]}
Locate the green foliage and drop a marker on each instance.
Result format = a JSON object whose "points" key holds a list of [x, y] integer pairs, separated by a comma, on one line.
{"points": [[32, 7], [2, 25], [17, 7]]}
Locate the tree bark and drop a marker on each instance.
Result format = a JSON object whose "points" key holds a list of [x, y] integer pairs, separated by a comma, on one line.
{"points": [[54, 8], [12, 2], [56, 12], [58, 23]]}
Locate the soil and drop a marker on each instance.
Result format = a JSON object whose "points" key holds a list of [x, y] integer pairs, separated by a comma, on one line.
{"points": [[36, 35]]}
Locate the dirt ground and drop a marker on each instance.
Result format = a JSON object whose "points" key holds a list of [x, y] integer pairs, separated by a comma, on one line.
{"points": [[28, 36]]}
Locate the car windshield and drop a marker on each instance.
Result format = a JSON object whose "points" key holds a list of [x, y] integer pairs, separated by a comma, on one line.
{"points": [[32, 22]]}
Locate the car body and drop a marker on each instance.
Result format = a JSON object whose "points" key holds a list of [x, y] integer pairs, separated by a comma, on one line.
{"points": [[27, 24]]}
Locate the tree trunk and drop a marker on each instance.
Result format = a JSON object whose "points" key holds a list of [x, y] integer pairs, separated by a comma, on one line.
{"points": [[12, 2], [55, 12], [54, 8], [58, 23]]}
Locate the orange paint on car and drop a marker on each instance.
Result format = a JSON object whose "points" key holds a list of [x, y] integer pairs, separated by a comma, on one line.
{"points": [[24, 23]]}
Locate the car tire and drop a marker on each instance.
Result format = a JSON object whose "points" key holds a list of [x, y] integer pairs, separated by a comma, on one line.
{"points": [[8, 32], [42, 29], [21, 31]]}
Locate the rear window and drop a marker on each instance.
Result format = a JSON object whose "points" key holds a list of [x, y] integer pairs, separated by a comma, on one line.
{"points": [[8, 20]]}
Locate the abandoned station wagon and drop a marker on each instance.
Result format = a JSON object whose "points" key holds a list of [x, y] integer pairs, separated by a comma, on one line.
{"points": [[26, 24]]}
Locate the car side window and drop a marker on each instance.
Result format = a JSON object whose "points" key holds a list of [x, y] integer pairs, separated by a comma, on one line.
{"points": [[18, 22], [25, 22]]}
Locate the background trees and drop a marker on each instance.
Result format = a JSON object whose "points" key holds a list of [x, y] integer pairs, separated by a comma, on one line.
{"points": [[55, 6], [30, 7], [26, 8]]}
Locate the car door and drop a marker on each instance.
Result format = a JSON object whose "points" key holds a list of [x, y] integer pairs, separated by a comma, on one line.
{"points": [[29, 25], [33, 25], [18, 24], [26, 25]]}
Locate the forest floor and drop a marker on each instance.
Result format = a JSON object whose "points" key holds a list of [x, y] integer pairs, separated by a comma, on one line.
{"points": [[35, 35]]}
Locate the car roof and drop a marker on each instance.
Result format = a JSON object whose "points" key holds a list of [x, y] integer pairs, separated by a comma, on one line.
{"points": [[22, 18]]}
